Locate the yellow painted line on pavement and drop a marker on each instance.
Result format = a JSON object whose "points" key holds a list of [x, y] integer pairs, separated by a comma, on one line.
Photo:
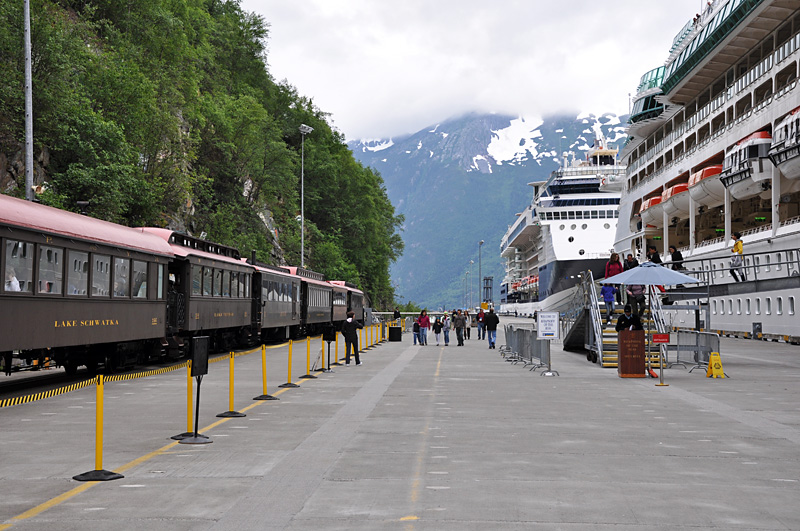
{"points": [[49, 504]]}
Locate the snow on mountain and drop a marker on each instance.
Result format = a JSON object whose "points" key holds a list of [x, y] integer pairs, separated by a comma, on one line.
{"points": [[516, 142]]}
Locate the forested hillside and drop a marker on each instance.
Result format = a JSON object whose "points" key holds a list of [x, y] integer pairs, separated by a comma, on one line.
{"points": [[164, 113]]}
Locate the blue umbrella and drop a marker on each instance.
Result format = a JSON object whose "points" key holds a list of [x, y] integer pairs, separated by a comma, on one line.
{"points": [[650, 274]]}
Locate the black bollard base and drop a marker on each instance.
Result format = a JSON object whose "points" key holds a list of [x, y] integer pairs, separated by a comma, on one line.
{"points": [[265, 397], [308, 376], [335, 363], [196, 439], [288, 385], [181, 436], [231, 414], [97, 475]]}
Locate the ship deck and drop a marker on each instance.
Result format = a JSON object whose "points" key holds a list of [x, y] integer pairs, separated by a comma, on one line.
{"points": [[422, 438]]}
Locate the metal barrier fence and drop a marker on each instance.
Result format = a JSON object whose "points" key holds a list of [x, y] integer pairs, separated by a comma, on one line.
{"points": [[522, 345], [694, 347]]}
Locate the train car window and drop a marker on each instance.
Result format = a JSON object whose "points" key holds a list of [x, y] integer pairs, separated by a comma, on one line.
{"points": [[197, 280], [18, 269], [139, 280], [217, 282], [160, 294], [101, 275], [226, 283], [242, 278], [77, 273], [122, 285], [50, 269], [207, 277], [234, 284], [246, 285]]}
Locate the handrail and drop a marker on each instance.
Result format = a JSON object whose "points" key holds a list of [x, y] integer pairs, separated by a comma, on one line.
{"points": [[594, 310]]}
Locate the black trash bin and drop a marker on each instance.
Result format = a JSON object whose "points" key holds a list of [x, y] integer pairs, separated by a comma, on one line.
{"points": [[395, 333]]}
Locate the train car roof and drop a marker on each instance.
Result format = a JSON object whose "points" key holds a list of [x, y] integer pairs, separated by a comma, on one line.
{"points": [[183, 251], [270, 269], [38, 217], [345, 285]]}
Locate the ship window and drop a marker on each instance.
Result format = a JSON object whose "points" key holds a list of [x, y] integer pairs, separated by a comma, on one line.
{"points": [[571, 214], [594, 214], [758, 263], [586, 214], [738, 306], [791, 305], [730, 306], [610, 213], [714, 308], [561, 227], [768, 306], [758, 306], [584, 226], [777, 261], [767, 263], [779, 305], [581, 252], [571, 239], [606, 226], [747, 307]]}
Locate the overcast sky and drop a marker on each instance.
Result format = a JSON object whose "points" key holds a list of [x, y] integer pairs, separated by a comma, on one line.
{"points": [[384, 68]]}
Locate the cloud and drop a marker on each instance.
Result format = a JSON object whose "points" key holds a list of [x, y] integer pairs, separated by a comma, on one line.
{"points": [[388, 68]]}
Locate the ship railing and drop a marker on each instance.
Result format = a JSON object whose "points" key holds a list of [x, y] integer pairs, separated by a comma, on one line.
{"points": [[764, 265]]}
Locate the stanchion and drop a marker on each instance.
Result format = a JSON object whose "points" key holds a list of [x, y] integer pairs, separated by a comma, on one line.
{"points": [[188, 432], [230, 412], [289, 383], [308, 374], [336, 353], [264, 396], [98, 474]]}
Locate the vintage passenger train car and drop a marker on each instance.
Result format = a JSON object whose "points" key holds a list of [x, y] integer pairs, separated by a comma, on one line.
{"points": [[82, 291]]}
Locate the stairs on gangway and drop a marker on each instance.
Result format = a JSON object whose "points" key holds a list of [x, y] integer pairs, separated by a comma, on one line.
{"points": [[610, 356]]}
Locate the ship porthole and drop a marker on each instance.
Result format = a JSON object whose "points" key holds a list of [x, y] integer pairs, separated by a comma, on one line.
{"points": [[607, 226], [584, 226], [581, 252], [571, 239], [561, 227], [573, 227]]}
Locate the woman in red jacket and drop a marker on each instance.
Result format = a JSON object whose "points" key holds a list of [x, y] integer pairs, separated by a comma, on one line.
{"points": [[614, 267], [424, 324]]}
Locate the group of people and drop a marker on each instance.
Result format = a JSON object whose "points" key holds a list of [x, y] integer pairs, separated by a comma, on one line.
{"points": [[458, 320]]}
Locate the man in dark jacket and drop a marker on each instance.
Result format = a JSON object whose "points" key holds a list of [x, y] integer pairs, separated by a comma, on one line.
{"points": [[676, 257], [652, 254], [490, 321], [350, 332], [629, 320], [630, 262]]}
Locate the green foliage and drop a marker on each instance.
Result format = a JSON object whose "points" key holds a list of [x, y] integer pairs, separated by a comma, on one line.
{"points": [[163, 112]]}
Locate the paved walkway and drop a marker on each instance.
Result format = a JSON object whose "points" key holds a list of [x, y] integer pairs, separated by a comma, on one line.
{"points": [[422, 438]]}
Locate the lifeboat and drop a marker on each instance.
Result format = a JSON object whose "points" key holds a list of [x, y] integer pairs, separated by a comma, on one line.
{"points": [[652, 212], [705, 186], [748, 170], [675, 200], [785, 149]]}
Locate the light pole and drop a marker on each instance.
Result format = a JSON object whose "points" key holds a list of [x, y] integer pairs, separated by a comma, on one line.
{"points": [[467, 289], [304, 130], [470, 282], [480, 274]]}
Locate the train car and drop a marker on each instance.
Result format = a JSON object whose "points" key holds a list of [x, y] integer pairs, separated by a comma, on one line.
{"points": [[276, 301], [209, 292], [316, 296], [79, 290], [354, 301]]}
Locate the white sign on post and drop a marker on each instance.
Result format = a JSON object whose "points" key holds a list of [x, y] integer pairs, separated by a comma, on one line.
{"points": [[547, 325]]}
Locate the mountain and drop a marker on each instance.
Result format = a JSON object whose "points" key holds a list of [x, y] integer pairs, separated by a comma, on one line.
{"points": [[462, 181]]}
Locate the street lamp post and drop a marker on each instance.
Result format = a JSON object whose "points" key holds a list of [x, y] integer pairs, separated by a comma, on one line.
{"points": [[470, 282], [480, 273], [304, 130]]}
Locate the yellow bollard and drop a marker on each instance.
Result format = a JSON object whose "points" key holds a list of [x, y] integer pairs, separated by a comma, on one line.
{"points": [[308, 374], [336, 351], [264, 396], [289, 370], [98, 474], [231, 412]]}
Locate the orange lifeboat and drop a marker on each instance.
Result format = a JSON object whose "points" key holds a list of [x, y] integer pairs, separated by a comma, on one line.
{"points": [[651, 212], [705, 186], [675, 200]]}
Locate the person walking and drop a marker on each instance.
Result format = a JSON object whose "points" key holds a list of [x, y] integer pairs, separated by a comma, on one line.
{"points": [[652, 254], [416, 332], [424, 325], [350, 332], [396, 316], [481, 327], [468, 319], [607, 292], [458, 323], [491, 320], [614, 267], [676, 257], [437, 330], [446, 329], [630, 262], [636, 298], [737, 260]]}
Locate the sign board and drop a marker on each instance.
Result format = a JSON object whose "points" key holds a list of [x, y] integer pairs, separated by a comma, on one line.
{"points": [[547, 325], [660, 338]]}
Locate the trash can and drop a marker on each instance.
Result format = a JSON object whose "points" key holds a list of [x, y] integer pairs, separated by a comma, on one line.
{"points": [[395, 333]]}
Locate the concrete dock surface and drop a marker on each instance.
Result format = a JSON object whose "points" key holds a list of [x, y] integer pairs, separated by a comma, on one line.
{"points": [[420, 438]]}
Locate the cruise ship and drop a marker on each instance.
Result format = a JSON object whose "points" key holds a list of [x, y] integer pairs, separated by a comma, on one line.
{"points": [[713, 150], [568, 228]]}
